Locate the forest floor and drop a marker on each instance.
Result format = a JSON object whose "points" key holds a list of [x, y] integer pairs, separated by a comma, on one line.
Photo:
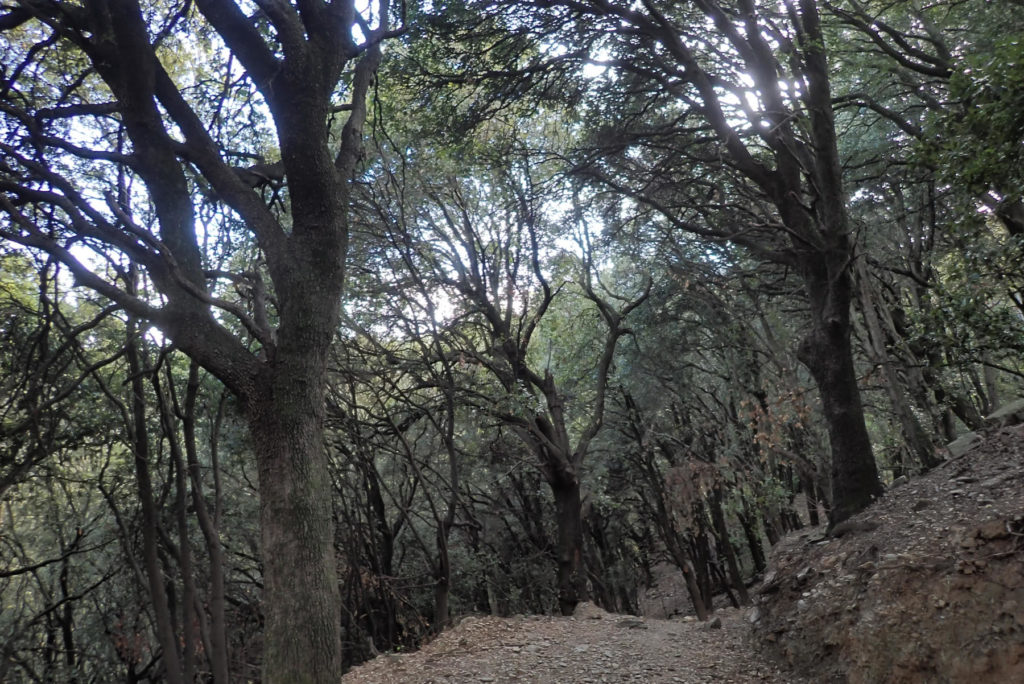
{"points": [[592, 646]]}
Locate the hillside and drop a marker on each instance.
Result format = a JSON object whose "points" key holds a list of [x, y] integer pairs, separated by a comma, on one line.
{"points": [[925, 586]]}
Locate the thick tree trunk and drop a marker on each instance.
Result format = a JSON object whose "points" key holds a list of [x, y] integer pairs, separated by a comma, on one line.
{"points": [[828, 354], [302, 632], [572, 586]]}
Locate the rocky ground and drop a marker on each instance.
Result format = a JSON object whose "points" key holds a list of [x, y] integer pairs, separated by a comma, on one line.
{"points": [[592, 646], [925, 586]]}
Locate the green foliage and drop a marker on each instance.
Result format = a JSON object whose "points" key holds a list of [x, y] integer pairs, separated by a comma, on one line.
{"points": [[981, 139], [514, 188]]}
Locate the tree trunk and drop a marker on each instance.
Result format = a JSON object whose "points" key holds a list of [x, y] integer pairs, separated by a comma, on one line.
{"points": [[811, 499], [749, 523], [828, 354], [732, 563], [441, 595], [568, 513], [443, 573], [682, 561], [154, 575], [67, 622], [188, 583], [918, 441], [700, 552], [770, 529], [188, 636], [992, 399], [302, 626], [208, 524], [442, 590]]}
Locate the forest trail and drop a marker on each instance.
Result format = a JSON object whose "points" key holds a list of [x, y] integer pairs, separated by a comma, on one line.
{"points": [[592, 647]]}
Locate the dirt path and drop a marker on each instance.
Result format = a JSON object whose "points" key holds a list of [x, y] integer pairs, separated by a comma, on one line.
{"points": [[593, 647]]}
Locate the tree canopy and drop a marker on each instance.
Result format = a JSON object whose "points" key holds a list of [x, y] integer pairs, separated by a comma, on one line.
{"points": [[325, 321]]}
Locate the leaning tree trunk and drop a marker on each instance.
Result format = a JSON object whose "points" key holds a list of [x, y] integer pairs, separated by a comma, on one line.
{"points": [[918, 441], [828, 354], [732, 562], [572, 586], [302, 629]]}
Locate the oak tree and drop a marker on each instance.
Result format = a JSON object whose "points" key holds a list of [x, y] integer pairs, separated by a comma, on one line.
{"points": [[129, 130]]}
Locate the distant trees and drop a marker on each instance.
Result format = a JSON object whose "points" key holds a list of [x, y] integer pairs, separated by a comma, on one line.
{"points": [[757, 96], [490, 246], [98, 533]]}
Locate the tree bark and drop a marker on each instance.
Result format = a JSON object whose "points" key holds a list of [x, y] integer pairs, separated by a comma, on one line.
{"points": [[302, 623], [828, 354], [826, 270], [572, 586]]}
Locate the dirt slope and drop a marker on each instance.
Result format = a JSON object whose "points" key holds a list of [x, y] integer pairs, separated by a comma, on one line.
{"points": [[592, 647], [926, 586]]}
